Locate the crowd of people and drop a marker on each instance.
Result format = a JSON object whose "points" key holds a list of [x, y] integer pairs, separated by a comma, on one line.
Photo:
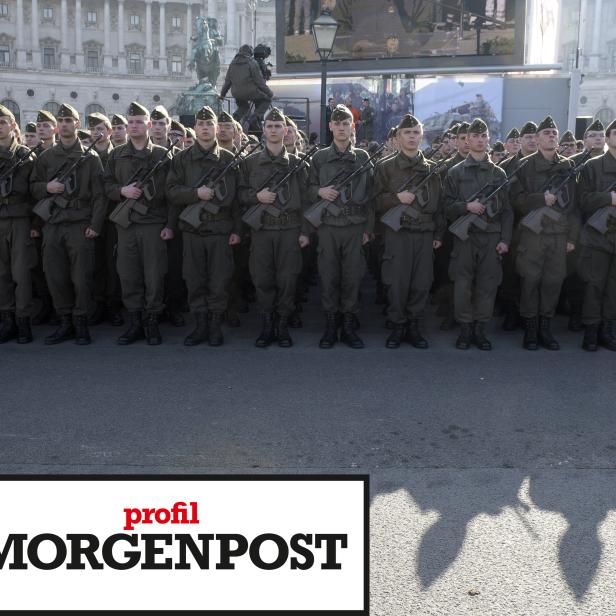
{"points": [[141, 218]]}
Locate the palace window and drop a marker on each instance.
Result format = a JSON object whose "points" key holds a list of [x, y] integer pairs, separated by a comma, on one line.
{"points": [[49, 57], [91, 17], [5, 55], [47, 12]]}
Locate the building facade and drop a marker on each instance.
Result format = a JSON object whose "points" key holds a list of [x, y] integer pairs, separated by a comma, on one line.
{"points": [[99, 55]]}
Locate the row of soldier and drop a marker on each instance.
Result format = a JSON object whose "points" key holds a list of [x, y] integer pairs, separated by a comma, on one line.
{"points": [[473, 218]]}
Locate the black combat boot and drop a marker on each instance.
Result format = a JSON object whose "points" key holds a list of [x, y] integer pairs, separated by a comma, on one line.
{"points": [[531, 341], [607, 335], [24, 330], [284, 338], [330, 336], [200, 333], [135, 329], [65, 331], [114, 314], [546, 339], [268, 331], [348, 333], [575, 323], [414, 337], [295, 321], [397, 335], [216, 337], [464, 339], [232, 319], [82, 335], [8, 329], [150, 327], [512, 318], [591, 335], [176, 318], [448, 322], [479, 337]]}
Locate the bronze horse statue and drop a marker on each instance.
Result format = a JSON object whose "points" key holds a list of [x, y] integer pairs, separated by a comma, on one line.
{"points": [[204, 56]]}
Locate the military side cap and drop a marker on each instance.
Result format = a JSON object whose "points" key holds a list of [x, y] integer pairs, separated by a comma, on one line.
{"points": [[225, 117], [596, 125], [253, 139], [514, 133], [567, 137], [547, 123], [190, 133], [392, 132], [530, 128], [205, 113], [478, 126], [341, 112], [45, 116], [302, 134], [274, 115], [453, 130], [159, 113], [175, 125], [83, 134], [30, 127], [135, 109], [611, 127], [290, 122], [498, 147], [67, 111], [96, 118], [408, 121], [463, 128], [6, 113], [118, 120]]}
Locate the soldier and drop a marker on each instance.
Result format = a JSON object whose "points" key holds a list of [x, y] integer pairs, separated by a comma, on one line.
{"points": [[542, 258], [512, 142], [107, 291], [498, 153], [31, 139], [573, 286], [597, 262], [190, 138], [226, 131], [475, 266], [341, 238], [275, 256], [407, 262], [208, 257], [85, 137], [177, 133], [567, 145], [291, 136], [68, 236], [118, 129], [366, 127], [46, 128], [142, 250], [17, 249]]}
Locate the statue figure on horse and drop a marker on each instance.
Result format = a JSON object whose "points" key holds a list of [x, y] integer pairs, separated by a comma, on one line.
{"points": [[204, 55]]}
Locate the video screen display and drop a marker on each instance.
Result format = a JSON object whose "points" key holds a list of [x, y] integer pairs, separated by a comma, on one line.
{"points": [[405, 33]]}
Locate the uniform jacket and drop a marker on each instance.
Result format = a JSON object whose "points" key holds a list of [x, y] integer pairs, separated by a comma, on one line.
{"points": [[245, 79], [18, 203]]}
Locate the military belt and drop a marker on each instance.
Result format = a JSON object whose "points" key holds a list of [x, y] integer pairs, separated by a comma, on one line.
{"points": [[14, 200], [352, 210], [209, 217], [423, 218], [286, 218]]}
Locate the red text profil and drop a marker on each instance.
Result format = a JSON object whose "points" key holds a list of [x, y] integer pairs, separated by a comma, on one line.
{"points": [[180, 513]]}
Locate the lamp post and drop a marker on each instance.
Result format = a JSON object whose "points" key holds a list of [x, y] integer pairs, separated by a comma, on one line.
{"points": [[324, 30]]}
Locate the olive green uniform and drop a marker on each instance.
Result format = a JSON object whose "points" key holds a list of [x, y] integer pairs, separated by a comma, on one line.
{"points": [[275, 254], [340, 257], [597, 261], [407, 262], [208, 258], [475, 266], [68, 256], [541, 258], [17, 249], [142, 254]]}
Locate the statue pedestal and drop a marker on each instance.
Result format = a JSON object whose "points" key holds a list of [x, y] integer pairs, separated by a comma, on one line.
{"points": [[201, 94]]}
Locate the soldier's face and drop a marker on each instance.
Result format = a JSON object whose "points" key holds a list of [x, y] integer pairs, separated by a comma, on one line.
{"points": [[497, 157], [478, 142], [100, 130], [462, 143], [274, 132], [290, 138], [226, 130], [160, 129], [138, 126], [178, 137], [410, 138], [528, 142], [595, 140], [611, 139], [46, 130], [342, 129], [205, 130], [547, 139], [513, 145], [31, 139], [188, 142], [6, 127], [118, 133], [567, 148], [67, 127], [446, 147]]}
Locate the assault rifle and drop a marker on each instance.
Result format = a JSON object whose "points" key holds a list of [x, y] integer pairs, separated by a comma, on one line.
{"points": [[599, 220], [534, 219], [44, 208], [462, 225], [6, 176], [253, 215], [191, 214], [121, 213], [315, 212], [393, 217]]}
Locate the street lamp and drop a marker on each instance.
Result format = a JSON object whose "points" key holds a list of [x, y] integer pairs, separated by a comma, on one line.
{"points": [[324, 30]]}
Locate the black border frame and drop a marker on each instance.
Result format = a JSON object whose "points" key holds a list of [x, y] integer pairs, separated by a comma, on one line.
{"points": [[376, 66], [364, 478]]}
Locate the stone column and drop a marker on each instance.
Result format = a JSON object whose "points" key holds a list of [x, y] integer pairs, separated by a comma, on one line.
{"points": [[121, 50], [64, 50], [162, 38], [597, 44], [36, 51], [230, 39], [189, 29], [20, 46], [148, 37], [79, 55], [107, 44]]}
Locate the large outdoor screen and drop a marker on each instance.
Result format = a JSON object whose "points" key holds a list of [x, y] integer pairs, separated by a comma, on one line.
{"points": [[406, 34]]}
